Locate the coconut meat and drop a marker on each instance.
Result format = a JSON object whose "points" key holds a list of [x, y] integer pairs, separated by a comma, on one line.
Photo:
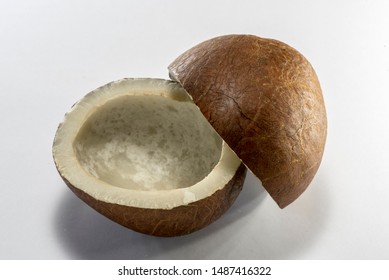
{"points": [[142, 143], [147, 143]]}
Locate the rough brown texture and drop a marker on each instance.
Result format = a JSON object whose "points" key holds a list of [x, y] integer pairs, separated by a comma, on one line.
{"points": [[177, 221], [263, 97]]}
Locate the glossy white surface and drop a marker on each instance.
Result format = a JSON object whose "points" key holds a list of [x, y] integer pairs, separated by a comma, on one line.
{"points": [[53, 52]]}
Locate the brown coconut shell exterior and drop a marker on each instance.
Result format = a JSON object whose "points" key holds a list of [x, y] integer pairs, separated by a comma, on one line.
{"points": [[264, 99], [177, 221]]}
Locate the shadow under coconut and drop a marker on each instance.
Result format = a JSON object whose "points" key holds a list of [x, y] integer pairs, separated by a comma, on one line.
{"points": [[85, 234], [290, 233]]}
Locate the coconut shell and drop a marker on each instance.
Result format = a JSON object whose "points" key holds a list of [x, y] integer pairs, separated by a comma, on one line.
{"points": [[177, 221], [264, 99]]}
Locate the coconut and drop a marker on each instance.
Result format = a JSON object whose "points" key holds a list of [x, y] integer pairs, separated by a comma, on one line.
{"points": [[140, 152], [263, 97], [168, 158]]}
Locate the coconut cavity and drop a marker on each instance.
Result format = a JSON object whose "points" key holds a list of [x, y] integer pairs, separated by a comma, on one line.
{"points": [[147, 143]]}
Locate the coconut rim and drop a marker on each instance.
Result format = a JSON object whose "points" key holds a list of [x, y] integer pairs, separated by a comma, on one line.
{"points": [[71, 170]]}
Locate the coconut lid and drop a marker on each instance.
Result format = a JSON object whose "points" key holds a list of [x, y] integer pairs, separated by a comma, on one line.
{"points": [[264, 99]]}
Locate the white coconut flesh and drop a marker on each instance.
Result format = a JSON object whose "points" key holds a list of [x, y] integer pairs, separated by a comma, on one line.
{"points": [[142, 143]]}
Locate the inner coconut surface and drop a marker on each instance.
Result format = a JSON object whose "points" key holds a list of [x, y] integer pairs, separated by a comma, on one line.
{"points": [[147, 143]]}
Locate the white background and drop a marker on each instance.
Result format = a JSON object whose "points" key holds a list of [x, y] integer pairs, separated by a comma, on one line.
{"points": [[53, 52]]}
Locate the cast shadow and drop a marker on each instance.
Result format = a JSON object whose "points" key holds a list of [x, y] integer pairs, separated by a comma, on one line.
{"points": [[85, 234], [295, 231]]}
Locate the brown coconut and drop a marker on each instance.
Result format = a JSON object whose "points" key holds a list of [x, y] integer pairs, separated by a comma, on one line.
{"points": [[264, 99]]}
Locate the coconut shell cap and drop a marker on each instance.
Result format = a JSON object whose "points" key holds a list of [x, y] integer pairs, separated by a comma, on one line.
{"points": [[264, 99]]}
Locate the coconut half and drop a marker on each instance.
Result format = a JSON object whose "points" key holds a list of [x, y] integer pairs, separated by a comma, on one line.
{"points": [[264, 99], [141, 153]]}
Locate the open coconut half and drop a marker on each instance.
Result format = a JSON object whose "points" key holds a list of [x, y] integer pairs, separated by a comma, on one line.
{"points": [[141, 153]]}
